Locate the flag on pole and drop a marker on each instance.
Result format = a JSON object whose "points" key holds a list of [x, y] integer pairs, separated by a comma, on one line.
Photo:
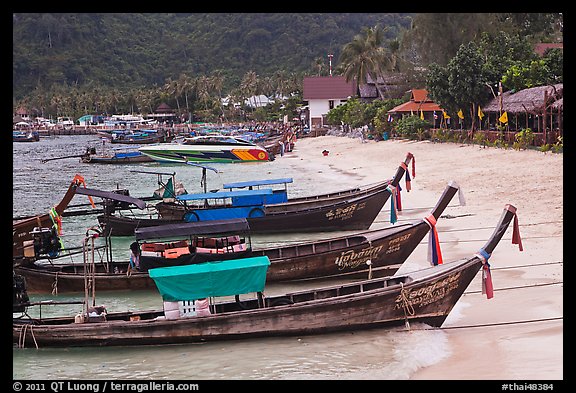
{"points": [[460, 114], [435, 116], [445, 114], [389, 118], [504, 118], [480, 113], [421, 115]]}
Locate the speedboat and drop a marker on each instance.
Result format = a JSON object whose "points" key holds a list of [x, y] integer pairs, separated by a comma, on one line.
{"points": [[207, 148]]}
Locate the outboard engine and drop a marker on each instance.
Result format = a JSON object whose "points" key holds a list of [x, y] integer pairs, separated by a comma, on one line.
{"points": [[20, 297], [120, 204], [46, 241]]}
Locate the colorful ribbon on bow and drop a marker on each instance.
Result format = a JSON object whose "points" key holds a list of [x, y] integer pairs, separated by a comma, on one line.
{"points": [[516, 234], [81, 180], [487, 287], [398, 198], [405, 167], [56, 220], [434, 252], [393, 201]]}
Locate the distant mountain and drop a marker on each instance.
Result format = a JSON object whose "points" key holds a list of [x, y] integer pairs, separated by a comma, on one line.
{"points": [[138, 50]]}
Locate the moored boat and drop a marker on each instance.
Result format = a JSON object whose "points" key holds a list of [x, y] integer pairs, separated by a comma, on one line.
{"points": [[123, 156], [25, 136], [377, 252], [354, 209], [207, 148]]}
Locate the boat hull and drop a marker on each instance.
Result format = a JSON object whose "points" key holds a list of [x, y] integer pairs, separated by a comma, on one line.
{"points": [[386, 249], [351, 214], [176, 211], [368, 304], [174, 153], [117, 159]]}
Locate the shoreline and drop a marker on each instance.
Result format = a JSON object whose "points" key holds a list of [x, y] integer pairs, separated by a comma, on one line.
{"points": [[517, 335]]}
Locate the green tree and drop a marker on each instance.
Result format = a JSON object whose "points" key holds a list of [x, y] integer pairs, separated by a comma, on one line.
{"points": [[466, 80]]}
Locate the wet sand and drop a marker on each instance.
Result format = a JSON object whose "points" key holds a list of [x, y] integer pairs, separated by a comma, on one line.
{"points": [[518, 334]]}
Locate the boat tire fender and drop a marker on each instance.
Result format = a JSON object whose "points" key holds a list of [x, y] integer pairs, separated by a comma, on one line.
{"points": [[191, 217], [256, 212]]}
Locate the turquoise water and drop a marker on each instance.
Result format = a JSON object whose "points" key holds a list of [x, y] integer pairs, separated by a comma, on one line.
{"points": [[374, 354]]}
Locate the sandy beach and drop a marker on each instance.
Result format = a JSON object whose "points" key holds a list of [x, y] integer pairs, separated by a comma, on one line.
{"points": [[518, 334]]}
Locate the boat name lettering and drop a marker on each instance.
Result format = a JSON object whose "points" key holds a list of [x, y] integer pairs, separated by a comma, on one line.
{"points": [[352, 259], [342, 213], [395, 244], [428, 294]]}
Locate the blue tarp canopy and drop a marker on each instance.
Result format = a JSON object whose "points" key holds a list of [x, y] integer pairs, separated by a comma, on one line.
{"points": [[222, 278], [252, 183], [224, 194]]}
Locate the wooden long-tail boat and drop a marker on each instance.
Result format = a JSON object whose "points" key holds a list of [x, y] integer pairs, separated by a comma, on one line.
{"points": [[351, 210], [176, 209], [425, 296], [22, 230], [380, 252]]}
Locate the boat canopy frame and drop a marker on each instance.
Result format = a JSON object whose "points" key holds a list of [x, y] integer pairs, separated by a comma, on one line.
{"points": [[201, 228]]}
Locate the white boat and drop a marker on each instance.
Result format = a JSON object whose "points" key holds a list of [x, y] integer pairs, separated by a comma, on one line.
{"points": [[207, 148]]}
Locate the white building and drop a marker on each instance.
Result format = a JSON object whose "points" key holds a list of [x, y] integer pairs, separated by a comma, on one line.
{"points": [[324, 93]]}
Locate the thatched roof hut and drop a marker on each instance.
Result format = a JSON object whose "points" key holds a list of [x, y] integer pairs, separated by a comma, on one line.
{"points": [[538, 108], [527, 100]]}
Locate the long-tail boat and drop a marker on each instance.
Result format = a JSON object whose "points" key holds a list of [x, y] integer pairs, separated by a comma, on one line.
{"points": [[377, 252], [25, 230], [355, 210], [202, 303]]}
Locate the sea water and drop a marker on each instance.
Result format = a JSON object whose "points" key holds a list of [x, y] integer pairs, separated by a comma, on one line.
{"points": [[375, 354]]}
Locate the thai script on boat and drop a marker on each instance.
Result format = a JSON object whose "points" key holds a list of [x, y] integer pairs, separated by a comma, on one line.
{"points": [[342, 213], [429, 294], [395, 244], [352, 259]]}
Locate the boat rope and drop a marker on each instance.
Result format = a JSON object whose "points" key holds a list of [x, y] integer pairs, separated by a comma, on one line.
{"points": [[520, 287], [492, 324], [55, 284], [531, 265], [20, 341], [22, 336], [504, 323], [406, 306]]}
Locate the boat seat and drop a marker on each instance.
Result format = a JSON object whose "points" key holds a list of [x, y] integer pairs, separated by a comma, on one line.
{"points": [[159, 247], [176, 252], [235, 248]]}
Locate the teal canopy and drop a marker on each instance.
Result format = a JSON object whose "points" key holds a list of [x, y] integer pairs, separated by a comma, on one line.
{"points": [[221, 278]]}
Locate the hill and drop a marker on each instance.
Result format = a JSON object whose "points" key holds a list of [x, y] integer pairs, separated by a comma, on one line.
{"points": [[143, 49]]}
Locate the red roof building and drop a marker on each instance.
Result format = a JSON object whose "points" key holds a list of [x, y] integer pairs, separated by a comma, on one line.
{"points": [[419, 101], [328, 87]]}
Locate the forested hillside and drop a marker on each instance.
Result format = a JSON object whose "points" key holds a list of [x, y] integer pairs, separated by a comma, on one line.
{"points": [[139, 50]]}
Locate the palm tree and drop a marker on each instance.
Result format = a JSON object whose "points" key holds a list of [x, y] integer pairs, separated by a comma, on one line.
{"points": [[249, 84], [186, 83], [172, 89], [365, 57]]}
